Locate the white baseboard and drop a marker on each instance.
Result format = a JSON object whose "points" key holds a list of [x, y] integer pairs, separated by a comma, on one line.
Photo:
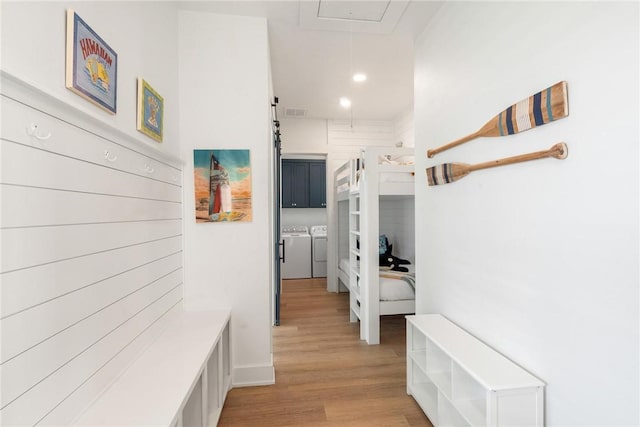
{"points": [[246, 376]]}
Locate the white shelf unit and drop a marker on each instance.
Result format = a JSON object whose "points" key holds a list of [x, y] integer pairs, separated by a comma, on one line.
{"points": [[181, 379], [459, 381]]}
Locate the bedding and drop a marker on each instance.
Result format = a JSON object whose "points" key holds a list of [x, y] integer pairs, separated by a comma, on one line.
{"points": [[410, 278], [398, 160], [394, 285], [344, 266], [395, 290]]}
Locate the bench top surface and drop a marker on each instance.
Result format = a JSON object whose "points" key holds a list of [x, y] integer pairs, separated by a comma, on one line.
{"points": [[488, 367], [153, 389]]}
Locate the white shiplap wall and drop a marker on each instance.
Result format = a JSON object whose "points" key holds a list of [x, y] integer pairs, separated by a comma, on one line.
{"points": [[360, 133], [404, 128], [91, 261], [397, 222], [343, 229]]}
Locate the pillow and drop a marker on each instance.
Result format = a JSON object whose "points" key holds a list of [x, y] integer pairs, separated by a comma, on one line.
{"points": [[382, 244]]}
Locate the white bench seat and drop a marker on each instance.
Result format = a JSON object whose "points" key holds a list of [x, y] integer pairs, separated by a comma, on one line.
{"points": [[173, 378]]}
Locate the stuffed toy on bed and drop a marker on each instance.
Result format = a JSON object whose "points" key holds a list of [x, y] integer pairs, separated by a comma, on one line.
{"points": [[386, 259]]}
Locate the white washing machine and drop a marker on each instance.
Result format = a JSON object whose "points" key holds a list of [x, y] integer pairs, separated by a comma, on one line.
{"points": [[319, 250], [296, 252]]}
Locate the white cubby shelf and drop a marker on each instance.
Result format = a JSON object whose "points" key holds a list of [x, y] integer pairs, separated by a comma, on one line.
{"points": [[459, 381], [180, 380]]}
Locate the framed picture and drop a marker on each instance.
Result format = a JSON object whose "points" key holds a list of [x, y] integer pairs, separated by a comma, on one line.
{"points": [[150, 111], [222, 185], [92, 66]]}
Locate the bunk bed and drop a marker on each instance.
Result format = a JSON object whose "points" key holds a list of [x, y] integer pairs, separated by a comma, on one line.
{"points": [[360, 184]]}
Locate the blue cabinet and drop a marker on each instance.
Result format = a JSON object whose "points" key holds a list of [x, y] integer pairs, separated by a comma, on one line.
{"points": [[303, 183], [295, 184], [317, 184]]}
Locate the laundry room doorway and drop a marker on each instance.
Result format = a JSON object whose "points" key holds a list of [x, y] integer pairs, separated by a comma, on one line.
{"points": [[303, 220]]}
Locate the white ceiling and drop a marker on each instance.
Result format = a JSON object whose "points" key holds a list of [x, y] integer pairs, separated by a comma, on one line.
{"points": [[313, 58]]}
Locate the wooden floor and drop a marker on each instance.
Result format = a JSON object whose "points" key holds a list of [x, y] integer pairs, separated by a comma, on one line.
{"points": [[326, 376]]}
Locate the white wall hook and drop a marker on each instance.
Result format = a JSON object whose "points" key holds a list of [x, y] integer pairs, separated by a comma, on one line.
{"points": [[32, 130], [149, 169], [110, 157]]}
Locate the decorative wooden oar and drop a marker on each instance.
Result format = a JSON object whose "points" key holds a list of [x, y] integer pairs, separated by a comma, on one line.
{"points": [[450, 172], [543, 107]]}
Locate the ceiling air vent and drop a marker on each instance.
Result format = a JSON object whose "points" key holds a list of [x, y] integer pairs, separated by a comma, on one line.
{"points": [[295, 112]]}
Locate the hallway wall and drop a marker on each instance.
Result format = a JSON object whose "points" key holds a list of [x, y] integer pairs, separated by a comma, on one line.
{"points": [[539, 260], [224, 104], [33, 48]]}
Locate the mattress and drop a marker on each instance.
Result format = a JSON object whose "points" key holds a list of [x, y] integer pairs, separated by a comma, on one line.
{"points": [[390, 289], [393, 177], [395, 290], [396, 177], [389, 177]]}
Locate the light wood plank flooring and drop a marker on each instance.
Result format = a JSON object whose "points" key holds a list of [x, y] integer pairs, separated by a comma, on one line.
{"points": [[326, 376]]}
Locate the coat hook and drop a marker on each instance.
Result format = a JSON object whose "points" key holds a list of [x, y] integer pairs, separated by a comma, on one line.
{"points": [[148, 169], [109, 157], [32, 130]]}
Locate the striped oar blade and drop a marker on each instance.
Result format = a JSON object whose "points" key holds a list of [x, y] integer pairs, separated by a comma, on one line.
{"points": [[450, 172], [543, 107], [446, 173]]}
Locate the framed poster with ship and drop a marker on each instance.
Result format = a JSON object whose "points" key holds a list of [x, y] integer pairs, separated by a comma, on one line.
{"points": [[150, 113], [92, 65]]}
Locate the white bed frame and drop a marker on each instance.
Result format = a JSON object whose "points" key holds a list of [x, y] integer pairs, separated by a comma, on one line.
{"points": [[362, 193]]}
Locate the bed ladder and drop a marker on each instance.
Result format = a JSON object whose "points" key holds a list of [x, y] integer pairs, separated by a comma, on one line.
{"points": [[354, 264]]}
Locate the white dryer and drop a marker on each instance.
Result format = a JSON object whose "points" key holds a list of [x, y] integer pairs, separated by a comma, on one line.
{"points": [[319, 250], [296, 263]]}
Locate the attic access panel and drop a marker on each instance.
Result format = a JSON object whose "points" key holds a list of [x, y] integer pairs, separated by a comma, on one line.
{"points": [[376, 17], [372, 11]]}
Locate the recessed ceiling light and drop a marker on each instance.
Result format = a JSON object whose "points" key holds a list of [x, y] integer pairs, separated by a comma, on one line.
{"points": [[345, 102], [360, 77]]}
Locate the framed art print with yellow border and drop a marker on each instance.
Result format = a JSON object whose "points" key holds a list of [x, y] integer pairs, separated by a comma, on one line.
{"points": [[150, 111]]}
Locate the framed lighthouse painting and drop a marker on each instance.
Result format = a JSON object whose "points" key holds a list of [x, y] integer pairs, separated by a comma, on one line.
{"points": [[222, 185]]}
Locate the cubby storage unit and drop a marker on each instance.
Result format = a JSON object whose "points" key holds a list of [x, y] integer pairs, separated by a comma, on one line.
{"points": [[459, 381], [182, 379]]}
